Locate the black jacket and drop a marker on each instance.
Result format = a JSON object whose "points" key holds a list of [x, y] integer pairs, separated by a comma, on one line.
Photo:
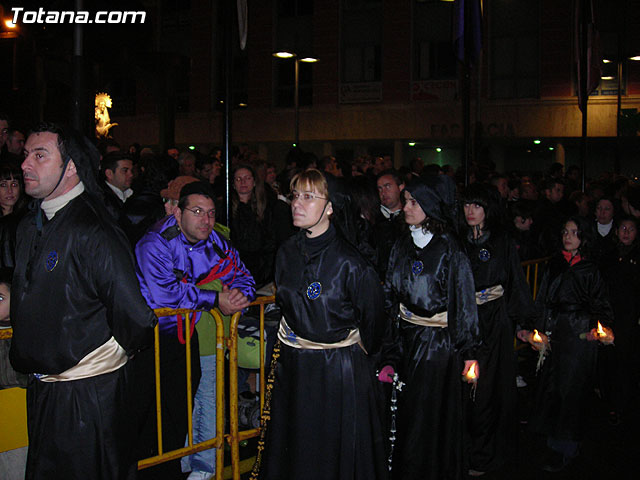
{"points": [[74, 287]]}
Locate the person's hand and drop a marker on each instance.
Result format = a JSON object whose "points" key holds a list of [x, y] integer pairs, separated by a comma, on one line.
{"points": [[539, 344], [386, 374], [476, 371], [232, 301], [524, 335]]}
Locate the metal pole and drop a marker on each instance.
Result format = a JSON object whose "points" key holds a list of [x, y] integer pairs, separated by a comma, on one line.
{"points": [[77, 117], [296, 101], [227, 104]]}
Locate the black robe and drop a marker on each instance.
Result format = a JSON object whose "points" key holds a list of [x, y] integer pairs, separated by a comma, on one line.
{"points": [[430, 360], [621, 271], [570, 302], [74, 287], [326, 416], [492, 415]]}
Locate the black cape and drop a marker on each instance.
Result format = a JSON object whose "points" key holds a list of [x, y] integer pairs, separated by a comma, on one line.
{"points": [[492, 415], [326, 417], [570, 302], [74, 287], [427, 281]]}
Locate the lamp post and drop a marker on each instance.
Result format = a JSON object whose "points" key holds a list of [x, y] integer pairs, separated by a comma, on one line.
{"points": [[296, 86]]}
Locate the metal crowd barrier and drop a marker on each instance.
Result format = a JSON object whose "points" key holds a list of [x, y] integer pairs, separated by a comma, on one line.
{"points": [[235, 436], [534, 265]]}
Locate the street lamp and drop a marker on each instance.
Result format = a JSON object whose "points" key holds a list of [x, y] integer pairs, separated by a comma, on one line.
{"points": [[296, 100]]}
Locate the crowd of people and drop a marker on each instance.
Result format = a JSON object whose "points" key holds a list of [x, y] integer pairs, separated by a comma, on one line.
{"points": [[400, 286]]}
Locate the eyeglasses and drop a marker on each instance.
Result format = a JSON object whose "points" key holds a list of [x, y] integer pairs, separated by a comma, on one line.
{"points": [[199, 212], [304, 196]]}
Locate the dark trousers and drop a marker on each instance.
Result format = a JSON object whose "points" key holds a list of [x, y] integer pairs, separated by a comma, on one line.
{"points": [[173, 387]]}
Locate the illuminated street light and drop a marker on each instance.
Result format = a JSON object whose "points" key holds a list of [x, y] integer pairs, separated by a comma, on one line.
{"points": [[284, 54]]}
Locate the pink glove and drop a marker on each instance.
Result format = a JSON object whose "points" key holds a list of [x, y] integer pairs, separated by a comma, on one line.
{"points": [[386, 374]]}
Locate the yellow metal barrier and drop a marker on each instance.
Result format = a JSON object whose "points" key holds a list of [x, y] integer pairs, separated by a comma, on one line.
{"points": [[534, 265], [235, 437], [218, 440]]}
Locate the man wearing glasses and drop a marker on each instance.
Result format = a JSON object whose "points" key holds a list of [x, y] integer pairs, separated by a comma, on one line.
{"points": [[183, 263]]}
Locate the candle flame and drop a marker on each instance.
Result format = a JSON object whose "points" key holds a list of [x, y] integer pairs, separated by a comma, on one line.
{"points": [[471, 374], [601, 332], [536, 336]]}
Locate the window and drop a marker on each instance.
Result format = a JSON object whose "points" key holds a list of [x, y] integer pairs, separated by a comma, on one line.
{"points": [[514, 64]]}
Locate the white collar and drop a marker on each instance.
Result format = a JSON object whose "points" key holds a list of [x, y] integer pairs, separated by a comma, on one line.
{"points": [[51, 207], [604, 228], [121, 195], [388, 213], [420, 238]]}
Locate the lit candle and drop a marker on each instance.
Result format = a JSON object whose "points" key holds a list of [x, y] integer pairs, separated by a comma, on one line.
{"points": [[537, 337], [471, 374], [605, 335]]}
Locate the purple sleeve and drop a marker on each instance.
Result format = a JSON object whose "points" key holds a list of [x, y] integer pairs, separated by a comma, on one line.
{"points": [[158, 281], [238, 276]]}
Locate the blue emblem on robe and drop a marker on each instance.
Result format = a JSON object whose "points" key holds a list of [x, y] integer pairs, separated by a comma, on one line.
{"points": [[417, 267], [314, 290], [52, 260], [484, 255]]}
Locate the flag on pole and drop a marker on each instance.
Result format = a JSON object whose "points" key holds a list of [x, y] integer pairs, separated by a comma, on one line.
{"points": [[242, 22], [467, 30], [588, 49]]}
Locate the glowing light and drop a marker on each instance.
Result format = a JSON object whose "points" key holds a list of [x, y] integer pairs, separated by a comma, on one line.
{"points": [[536, 336], [438, 149], [10, 24], [309, 60], [412, 144], [284, 54], [635, 58], [192, 147], [471, 374], [608, 77], [537, 142], [606, 60]]}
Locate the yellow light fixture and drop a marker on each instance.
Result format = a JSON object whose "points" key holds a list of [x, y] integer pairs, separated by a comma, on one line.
{"points": [[284, 54], [635, 58], [608, 77], [412, 144], [308, 60], [10, 24]]}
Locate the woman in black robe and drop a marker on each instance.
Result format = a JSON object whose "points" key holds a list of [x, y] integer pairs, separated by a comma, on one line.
{"points": [[621, 271], [429, 286], [572, 299], [504, 302], [325, 407]]}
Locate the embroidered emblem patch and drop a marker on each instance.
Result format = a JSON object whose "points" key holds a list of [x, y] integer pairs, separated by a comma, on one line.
{"points": [[417, 267], [314, 290], [52, 260], [483, 295], [484, 255]]}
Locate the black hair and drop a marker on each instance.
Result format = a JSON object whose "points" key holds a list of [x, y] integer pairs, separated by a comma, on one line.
{"points": [[63, 140], [585, 233], [365, 198], [110, 161], [521, 209], [391, 172], [488, 198]]}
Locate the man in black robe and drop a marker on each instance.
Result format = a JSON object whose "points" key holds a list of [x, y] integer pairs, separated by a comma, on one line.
{"points": [[77, 315]]}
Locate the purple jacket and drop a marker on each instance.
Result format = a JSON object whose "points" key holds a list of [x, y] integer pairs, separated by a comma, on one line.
{"points": [[169, 268]]}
